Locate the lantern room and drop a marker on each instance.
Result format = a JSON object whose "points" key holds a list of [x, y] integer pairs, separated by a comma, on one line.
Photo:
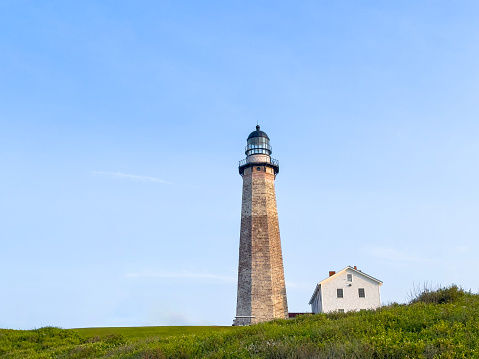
{"points": [[258, 143]]}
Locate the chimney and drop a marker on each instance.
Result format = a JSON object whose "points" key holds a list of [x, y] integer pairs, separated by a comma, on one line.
{"points": [[331, 272], [355, 267]]}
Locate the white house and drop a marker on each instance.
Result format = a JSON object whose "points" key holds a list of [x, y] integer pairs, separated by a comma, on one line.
{"points": [[349, 289]]}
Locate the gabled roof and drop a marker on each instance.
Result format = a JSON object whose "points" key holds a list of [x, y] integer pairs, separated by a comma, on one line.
{"points": [[340, 272]]}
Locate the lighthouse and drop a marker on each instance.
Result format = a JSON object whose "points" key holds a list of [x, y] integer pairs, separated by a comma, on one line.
{"points": [[261, 286]]}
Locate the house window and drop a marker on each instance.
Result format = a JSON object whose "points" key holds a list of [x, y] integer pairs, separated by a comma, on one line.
{"points": [[341, 310], [350, 277], [361, 293], [339, 291]]}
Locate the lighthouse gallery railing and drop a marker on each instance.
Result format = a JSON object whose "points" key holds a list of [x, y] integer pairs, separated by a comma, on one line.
{"points": [[268, 159]]}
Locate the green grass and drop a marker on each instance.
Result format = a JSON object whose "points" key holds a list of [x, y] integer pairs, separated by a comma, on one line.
{"points": [[146, 332], [436, 324]]}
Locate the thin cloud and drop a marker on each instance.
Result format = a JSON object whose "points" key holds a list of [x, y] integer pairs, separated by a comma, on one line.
{"points": [[184, 274], [299, 285], [395, 255], [130, 177]]}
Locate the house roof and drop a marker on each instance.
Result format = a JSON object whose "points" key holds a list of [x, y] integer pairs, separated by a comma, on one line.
{"points": [[340, 272]]}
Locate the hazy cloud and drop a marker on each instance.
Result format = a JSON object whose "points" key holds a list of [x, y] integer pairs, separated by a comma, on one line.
{"points": [[184, 274], [130, 177], [462, 249], [299, 285], [392, 254]]}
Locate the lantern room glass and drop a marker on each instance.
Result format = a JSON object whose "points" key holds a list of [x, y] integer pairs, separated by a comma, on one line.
{"points": [[258, 145]]}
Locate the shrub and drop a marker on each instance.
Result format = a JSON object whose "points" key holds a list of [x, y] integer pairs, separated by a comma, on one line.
{"points": [[439, 296]]}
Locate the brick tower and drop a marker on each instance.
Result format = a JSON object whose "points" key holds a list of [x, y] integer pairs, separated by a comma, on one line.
{"points": [[261, 287]]}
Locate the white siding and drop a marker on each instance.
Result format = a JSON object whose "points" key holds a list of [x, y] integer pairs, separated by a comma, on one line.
{"points": [[351, 300]]}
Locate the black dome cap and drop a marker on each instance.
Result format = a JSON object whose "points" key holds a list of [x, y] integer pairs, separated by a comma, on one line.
{"points": [[258, 133]]}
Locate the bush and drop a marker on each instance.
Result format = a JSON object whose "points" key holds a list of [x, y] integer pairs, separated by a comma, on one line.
{"points": [[439, 296]]}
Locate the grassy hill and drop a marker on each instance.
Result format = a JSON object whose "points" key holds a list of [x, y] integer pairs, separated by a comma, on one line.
{"points": [[438, 324], [148, 332]]}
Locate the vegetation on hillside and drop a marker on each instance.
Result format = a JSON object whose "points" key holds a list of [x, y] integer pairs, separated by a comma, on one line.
{"points": [[435, 324], [148, 332]]}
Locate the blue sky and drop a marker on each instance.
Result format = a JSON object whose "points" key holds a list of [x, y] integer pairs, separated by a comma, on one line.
{"points": [[122, 124]]}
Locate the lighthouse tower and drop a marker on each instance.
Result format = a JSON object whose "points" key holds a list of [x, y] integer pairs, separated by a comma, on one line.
{"points": [[261, 287]]}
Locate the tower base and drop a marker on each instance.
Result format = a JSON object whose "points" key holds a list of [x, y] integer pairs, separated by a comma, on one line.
{"points": [[242, 321]]}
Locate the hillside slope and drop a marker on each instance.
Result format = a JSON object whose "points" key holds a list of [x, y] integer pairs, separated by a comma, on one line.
{"points": [[440, 324]]}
